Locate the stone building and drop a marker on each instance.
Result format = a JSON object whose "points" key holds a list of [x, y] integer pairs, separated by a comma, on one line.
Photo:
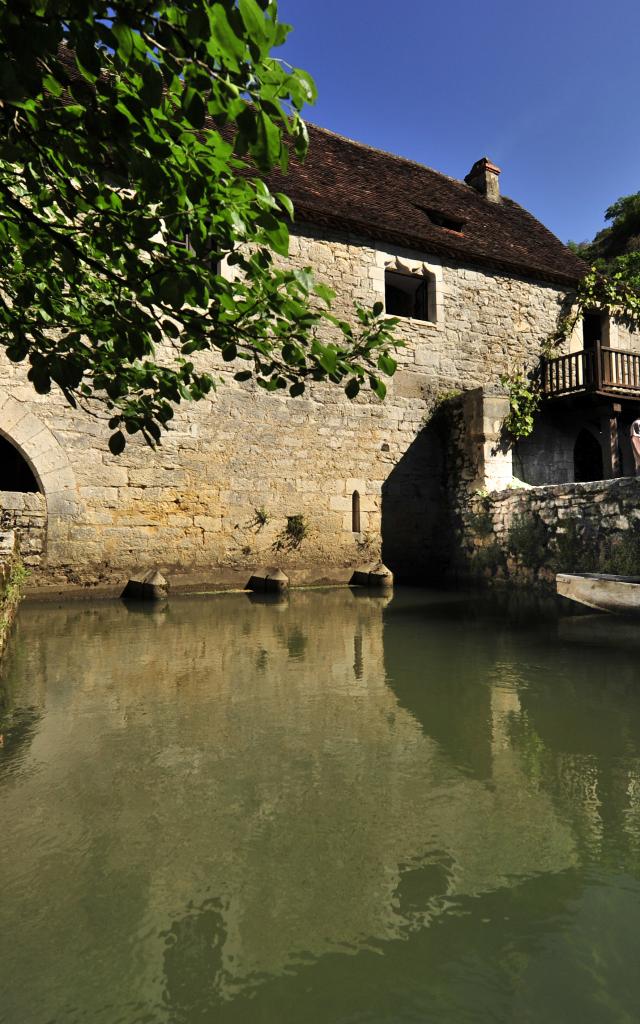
{"points": [[315, 484]]}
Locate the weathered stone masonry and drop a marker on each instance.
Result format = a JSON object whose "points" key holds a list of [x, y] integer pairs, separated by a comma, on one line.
{"points": [[527, 536], [244, 479], [502, 531], [214, 499]]}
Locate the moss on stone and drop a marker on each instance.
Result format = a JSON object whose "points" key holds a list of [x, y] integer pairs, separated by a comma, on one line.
{"points": [[528, 540]]}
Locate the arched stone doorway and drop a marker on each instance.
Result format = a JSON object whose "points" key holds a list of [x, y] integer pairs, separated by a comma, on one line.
{"points": [[588, 463], [15, 472], [45, 497]]}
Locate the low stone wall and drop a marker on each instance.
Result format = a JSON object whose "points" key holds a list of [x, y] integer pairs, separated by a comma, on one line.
{"points": [[26, 515], [526, 536]]}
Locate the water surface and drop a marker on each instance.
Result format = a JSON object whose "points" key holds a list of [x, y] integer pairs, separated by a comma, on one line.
{"points": [[337, 808]]}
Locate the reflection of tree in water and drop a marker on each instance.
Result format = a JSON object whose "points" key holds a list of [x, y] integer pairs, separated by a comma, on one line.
{"points": [[583, 745], [17, 728], [18, 722]]}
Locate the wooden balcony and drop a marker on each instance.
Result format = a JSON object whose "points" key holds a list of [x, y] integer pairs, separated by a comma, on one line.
{"points": [[601, 371]]}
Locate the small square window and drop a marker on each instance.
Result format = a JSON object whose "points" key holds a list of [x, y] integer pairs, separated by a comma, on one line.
{"points": [[406, 295]]}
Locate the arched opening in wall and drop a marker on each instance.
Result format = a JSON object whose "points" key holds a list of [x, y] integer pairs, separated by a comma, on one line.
{"points": [[15, 472], [587, 458], [355, 512]]}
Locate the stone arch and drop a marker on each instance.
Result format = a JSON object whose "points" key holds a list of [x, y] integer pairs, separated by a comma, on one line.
{"points": [[50, 465]]}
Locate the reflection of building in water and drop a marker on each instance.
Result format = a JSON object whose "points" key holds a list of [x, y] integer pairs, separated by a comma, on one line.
{"points": [[240, 779]]}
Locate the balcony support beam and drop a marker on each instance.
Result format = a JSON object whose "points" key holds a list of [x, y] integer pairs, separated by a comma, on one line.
{"points": [[610, 444]]}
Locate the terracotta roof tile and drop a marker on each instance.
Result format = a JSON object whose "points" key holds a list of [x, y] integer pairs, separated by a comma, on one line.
{"points": [[349, 186]]}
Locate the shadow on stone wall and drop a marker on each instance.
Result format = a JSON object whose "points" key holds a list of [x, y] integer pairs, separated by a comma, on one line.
{"points": [[550, 454], [414, 512]]}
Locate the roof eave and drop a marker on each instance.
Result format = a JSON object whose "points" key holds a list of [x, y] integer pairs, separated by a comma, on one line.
{"points": [[314, 217]]}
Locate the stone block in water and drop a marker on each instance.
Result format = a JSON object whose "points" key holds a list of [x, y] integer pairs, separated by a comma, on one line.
{"points": [[152, 586], [271, 581], [376, 576]]}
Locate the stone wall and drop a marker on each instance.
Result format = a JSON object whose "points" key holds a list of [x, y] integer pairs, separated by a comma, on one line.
{"points": [[501, 530], [25, 515], [213, 501], [526, 536]]}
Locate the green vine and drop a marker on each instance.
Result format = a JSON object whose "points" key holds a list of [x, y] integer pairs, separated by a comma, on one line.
{"points": [[612, 288], [525, 397]]}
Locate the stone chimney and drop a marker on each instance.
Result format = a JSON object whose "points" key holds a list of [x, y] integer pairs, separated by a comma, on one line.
{"points": [[483, 176]]}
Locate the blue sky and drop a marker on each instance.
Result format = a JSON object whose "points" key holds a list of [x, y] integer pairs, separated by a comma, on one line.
{"points": [[549, 90]]}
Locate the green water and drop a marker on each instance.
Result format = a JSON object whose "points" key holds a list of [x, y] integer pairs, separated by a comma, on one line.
{"points": [[334, 809]]}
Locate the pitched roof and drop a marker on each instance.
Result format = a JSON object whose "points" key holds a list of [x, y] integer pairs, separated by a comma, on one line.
{"points": [[350, 186]]}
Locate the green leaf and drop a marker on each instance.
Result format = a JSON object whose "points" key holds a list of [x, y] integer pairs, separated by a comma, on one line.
{"points": [[193, 106], [125, 41], [227, 43], [152, 89], [87, 57], [253, 19], [387, 364], [268, 141], [286, 203], [324, 292], [328, 359], [378, 387], [278, 237]]}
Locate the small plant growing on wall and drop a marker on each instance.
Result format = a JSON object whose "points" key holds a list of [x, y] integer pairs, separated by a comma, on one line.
{"points": [[260, 518], [296, 530]]}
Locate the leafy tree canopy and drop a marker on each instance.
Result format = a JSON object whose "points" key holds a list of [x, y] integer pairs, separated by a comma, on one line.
{"points": [[135, 140], [620, 238], [612, 283]]}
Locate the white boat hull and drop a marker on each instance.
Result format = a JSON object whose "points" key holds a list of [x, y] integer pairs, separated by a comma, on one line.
{"points": [[619, 595]]}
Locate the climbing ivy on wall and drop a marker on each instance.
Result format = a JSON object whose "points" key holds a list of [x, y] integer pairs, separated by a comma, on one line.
{"points": [[525, 397]]}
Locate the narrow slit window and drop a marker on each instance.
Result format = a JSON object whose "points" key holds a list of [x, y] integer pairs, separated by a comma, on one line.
{"points": [[355, 512], [407, 295]]}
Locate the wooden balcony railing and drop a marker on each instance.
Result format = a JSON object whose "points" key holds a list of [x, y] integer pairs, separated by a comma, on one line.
{"points": [[601, 369]]}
